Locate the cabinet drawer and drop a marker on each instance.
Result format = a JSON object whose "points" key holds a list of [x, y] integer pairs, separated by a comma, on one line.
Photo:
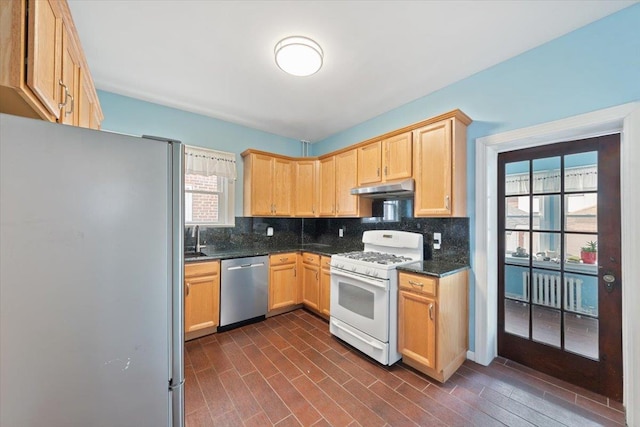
{"points": [[418, 283], [325, 262], [280, 259], [201, 268], [309, 258]]}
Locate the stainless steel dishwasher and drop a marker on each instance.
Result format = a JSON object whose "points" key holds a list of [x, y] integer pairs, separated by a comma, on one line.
{"points": [[243, 291]]}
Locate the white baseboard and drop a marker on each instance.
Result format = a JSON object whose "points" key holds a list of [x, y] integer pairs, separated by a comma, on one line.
{"points": [[471, 355]]}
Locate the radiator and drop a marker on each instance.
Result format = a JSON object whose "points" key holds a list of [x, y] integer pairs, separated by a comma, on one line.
{"points": [[545, 290]]}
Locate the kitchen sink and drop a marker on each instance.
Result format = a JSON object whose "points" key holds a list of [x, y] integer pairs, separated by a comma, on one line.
{"points": [[194, 254]]}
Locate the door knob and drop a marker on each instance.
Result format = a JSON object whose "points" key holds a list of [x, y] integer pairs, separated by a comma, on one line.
{"points": [[609, 280]]}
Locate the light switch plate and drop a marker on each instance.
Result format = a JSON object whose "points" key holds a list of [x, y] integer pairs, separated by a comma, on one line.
{"points": [[437, 240], [340, 232]]}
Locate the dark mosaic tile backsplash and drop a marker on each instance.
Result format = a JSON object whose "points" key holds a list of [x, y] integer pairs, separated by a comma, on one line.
{"points": [[289, 232]]}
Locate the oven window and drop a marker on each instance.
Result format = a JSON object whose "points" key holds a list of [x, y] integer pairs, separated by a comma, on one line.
{"points": [[356, 299]]}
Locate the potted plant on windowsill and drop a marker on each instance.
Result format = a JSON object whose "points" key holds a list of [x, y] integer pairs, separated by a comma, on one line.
{"points": [[589, 253]]}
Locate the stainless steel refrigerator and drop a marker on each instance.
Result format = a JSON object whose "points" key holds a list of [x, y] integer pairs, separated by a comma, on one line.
{"points": [[91, 320]]}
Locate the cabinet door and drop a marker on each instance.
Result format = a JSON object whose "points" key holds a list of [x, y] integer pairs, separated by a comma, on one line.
{"points": [[70, 88], [416, 328], [85, 103], [202, 302], [43, 54], [283, 288], [327, 187], [433, 170], [282, 187], [370, 163], [324, 304], [397, 156], [346, 179], [261, 185], [306, 184], [310, 285]]}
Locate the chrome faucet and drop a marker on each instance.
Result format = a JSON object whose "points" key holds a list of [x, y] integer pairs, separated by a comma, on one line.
{"points": [[196, 231]]}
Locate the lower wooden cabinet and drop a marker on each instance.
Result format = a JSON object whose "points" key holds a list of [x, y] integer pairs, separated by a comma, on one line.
{"points": [[433, 322], [201, 297], [310, 270], [283, 280], [324, 303]]}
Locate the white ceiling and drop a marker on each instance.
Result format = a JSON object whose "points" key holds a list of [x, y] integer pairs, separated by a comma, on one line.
{"points": [[216, 57]]}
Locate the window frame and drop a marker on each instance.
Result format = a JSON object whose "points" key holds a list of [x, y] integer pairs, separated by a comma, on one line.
{"points": [[226, 201]]}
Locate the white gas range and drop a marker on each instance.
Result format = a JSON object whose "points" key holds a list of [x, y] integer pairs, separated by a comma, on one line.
{"points": [[364, 292]]}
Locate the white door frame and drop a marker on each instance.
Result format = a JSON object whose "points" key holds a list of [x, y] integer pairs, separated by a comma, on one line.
{"points": [[624, 119]]}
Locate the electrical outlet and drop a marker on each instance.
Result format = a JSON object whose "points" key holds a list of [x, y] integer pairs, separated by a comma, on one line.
{"points": [[437, 240], [269, 231], [340, 232]]}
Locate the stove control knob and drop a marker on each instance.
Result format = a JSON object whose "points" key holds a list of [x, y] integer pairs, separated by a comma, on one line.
{"points": [[368, 272], [353, 268], [375, 273]]}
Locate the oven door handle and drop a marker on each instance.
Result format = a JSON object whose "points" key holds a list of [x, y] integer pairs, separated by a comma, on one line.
{"points": [[379, 283], [358, 337]]}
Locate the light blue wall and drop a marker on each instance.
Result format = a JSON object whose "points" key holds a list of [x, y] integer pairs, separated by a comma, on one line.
{"points": [[594, 67], [136, 117]]}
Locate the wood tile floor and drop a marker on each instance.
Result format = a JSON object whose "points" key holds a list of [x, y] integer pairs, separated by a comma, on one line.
{"points": [[289, 371]]}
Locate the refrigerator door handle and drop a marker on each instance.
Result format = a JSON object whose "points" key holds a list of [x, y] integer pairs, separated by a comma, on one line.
{"points": [[173, 386]]}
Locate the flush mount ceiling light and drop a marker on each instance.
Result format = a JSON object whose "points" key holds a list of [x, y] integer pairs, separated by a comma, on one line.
{"points": [[298, 56]]}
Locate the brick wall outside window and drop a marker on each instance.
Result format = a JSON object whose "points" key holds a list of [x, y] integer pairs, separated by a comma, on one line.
{"points": [[204, 207]]}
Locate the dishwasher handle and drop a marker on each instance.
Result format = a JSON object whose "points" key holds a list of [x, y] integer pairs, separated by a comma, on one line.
{"points": [[238, 267]]}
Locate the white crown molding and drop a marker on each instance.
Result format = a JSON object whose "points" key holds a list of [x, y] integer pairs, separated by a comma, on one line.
{"points": [[624, 119]]}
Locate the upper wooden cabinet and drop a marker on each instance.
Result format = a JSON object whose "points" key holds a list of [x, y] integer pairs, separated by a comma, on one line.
{"points": [[385, 160], [306, 188], [397, 156], [268, 184], [370, 163], [346, 179], [327, 186], [43, 71], [440, 167], [433, 152], [338, 175]]}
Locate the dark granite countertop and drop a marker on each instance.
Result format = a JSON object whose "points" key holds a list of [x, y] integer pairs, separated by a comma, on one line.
{"points": [[434, 268], [429, 268], [316, 248]]}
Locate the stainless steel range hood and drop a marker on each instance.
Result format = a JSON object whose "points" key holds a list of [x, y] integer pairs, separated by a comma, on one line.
{"points": [[401, 189]]}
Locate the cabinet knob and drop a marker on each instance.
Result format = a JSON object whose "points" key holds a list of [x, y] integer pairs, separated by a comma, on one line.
{"points": [[386, 171], [188, 288], [378, 172], [431, 311], [412, 283], [446, 202]]}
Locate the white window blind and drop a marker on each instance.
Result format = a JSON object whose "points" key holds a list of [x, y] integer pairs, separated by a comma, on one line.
{"points": [[202, 161]]}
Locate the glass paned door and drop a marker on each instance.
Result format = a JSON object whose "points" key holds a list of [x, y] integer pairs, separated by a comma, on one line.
{"points": [[560, 235]]}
